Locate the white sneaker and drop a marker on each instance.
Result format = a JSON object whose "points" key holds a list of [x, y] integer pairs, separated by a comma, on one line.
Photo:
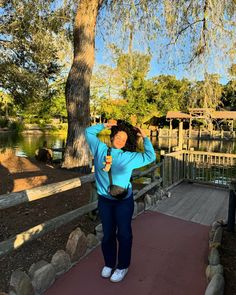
{"points": [[118, 275], [106, 272]]}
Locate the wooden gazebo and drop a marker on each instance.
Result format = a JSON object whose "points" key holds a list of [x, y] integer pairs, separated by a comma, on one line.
{"points": [[208, 114]]}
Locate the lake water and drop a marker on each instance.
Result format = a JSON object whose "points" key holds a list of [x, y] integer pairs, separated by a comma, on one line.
{"points": [[25, 145]]}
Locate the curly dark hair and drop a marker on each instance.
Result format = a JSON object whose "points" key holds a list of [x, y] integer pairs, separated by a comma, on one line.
{"points": [[132, 132]]}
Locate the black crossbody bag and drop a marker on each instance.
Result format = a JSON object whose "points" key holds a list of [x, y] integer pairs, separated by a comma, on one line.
{"points": [[115, 191]]}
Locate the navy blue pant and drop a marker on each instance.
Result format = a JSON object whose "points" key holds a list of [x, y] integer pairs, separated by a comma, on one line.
{"points": [[116, 217]]}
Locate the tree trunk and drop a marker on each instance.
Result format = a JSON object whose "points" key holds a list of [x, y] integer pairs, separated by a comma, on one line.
{"points": [[78, 84]]}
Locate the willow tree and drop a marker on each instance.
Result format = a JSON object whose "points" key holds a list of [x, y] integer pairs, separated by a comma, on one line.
{"points": [[203, 24]]}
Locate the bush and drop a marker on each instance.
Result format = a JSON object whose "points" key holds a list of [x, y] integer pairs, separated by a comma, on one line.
{"points": [[3, 122], [16, 126]]}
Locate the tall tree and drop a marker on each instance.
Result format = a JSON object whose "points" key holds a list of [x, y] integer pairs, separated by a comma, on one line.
{"points": [[198, 22], [78, 83], [207, 93], [229, 90], [170, 93]]}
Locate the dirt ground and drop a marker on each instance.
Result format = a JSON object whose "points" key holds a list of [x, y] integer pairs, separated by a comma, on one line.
{"points": [[228, 260], [17, 174]]}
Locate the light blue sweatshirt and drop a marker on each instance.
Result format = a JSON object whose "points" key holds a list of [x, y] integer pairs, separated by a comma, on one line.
{"points": [[123, 162]]}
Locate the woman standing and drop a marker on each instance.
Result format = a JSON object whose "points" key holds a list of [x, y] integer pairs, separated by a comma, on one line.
{"points": [[115, 164]]}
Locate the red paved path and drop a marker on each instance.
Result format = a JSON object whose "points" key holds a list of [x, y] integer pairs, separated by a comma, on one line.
{"points": [[169, 258]]}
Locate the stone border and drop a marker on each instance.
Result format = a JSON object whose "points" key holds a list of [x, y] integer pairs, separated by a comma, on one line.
{"points": [[214, 270], [42, 274]]}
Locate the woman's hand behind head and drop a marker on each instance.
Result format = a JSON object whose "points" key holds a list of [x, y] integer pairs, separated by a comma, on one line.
{"points": [[110, 123], [141, 132]]}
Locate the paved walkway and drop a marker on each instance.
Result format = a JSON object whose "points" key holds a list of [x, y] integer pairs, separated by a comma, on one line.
{"points": [[169, 258]]}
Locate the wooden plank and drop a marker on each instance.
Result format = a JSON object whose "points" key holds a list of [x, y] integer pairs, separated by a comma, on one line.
{"points": [[222, 211], [194, 202], [205, 213], [12, 199], [179, 196], [211, 211], [41, 229]]}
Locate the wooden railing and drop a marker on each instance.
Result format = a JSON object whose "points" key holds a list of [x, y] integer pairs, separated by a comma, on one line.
{"points": [[215, 168], [195, 134], [25, 196]]}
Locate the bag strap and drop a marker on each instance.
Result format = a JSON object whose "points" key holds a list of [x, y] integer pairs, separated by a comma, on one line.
{"points": [[109, 172]]}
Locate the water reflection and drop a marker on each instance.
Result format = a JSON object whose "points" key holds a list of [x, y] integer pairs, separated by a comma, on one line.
{"points": [[217, 146], [26, 144]]}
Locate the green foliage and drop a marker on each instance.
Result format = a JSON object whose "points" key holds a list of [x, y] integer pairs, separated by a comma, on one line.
{"points": [[229, 94], [3, 122], [112, 108], [33, 44], [132, 66], [6, 105], [169, 93], [207, 93], [137, 100], [16, 126], [143, 98], [126, 84]]}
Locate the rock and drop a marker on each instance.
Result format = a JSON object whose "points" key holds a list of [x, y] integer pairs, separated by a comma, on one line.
{"points": [[153, 197], [147, 202], [76, 245], [212, 270], [99, 232], [211, 235], [141, 207], [43, 278], [215, 225], [61, 262], [20, 283], [216, 242], [135, 210], [214, 257], [216, 285], [92, 241], [35, 266], [158, 195]]}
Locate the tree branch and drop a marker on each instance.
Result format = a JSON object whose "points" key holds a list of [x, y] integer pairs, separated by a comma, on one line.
{"points": [[184, 29]]}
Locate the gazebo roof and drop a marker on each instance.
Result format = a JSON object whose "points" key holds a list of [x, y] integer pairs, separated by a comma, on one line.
{"points": [[213, 114], [177, 115], [224, 115]]}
